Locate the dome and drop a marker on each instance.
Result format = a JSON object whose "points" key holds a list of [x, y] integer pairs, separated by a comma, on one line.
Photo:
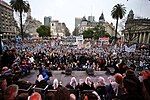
{"points": [[84, 19], [131, 14], [101, 18]]}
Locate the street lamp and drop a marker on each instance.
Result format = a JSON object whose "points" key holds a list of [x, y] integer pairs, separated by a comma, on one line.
{"points": [[1, 51]]}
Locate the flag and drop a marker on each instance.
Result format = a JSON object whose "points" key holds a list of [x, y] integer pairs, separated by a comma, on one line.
{"points": [[132, 48]]}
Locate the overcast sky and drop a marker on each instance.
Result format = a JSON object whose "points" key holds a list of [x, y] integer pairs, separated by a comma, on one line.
{"points": [[67, 10]]}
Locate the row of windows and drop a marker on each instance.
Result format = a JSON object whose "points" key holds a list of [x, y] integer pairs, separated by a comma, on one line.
{"points": [[7, 24], [5, 10]]}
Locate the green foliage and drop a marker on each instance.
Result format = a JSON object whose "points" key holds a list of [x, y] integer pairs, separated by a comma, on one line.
{"points": [[43, 31], [20, 6], [117, 13], [88, 33], [96, 32], [67, 33]]}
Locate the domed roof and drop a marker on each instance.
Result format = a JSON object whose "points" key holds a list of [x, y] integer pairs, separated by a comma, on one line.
{"points": [[131, 12], [101, 18], [84, 19]]}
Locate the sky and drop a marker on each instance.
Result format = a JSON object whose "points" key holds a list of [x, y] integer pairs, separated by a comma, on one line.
{"points": [[66, 10]]}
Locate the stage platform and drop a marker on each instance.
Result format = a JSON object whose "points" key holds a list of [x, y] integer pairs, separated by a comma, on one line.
{"points": [[66, 78]]}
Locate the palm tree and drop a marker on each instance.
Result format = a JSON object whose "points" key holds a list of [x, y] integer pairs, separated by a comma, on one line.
{"points": [[117, 13], [21, 7]]}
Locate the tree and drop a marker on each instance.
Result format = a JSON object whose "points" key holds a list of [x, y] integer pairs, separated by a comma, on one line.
{"points": [[88, 33], [96, 32], [21, 7], [43, 31], [75, 31], [67, 33], [99, 31], [118, 12]]}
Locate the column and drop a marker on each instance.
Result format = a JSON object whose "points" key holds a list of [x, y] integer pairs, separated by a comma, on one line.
{"points": [[144, 35], [148, 38], [144, 38], [140, 38]]}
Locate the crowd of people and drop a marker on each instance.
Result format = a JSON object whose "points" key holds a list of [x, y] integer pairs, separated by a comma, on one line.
{"points": [[20, 58], [118, 87]]}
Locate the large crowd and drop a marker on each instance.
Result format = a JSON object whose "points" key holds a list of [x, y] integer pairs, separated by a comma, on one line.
{"points": [[20, 58]]}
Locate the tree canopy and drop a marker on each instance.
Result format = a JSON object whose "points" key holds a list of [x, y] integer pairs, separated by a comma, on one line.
{"points": [[43, 31], [118, 12], [96, 32], [20, 6]]}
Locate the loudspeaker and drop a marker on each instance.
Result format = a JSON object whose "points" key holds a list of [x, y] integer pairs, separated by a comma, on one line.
{"points": [[111, 70], [90, 71], [68, 71]]}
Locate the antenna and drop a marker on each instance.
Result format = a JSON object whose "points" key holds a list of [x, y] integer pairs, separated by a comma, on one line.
{"points": [[91, 10]]}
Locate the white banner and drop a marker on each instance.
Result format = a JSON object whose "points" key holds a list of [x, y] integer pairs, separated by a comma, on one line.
{"points": [[132, 48]]}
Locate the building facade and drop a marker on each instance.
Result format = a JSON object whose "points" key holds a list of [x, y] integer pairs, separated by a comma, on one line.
{"points": [[91, 23], [7, 21], [47, 20], [137, 30], [77, 21], [30, 26], [58, 29]]}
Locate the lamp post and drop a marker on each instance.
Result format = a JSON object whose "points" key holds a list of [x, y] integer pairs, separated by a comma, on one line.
{"points": [[1, 51]]}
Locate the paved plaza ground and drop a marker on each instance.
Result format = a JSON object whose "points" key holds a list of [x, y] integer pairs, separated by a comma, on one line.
{"points": [[66, 78]]}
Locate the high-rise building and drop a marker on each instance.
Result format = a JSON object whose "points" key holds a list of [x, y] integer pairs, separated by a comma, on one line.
{"points": [[47, 20], [7, 21], [77, 21], [91, 18], [58, 29]]}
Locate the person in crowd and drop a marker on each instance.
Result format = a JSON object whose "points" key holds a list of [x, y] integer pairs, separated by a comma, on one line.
{"points": [[6, 58], [87, 85], [101, 87], [49, 96], [88, 64], [16, 71], [114, 89], [73, 84], [145, 83], [56, 84], [11, 92], [131, 75], [120, 68], [146, 80], [22, 96], [35, 96], [3, 85], [43, 72], [41, 82], [62, 94], [72, 97], [132, 87], [91, 96], [24, 66]]}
